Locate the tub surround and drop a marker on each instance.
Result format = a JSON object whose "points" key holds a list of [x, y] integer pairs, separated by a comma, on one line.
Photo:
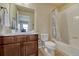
{"points": [[19, 44], [67, 49]]}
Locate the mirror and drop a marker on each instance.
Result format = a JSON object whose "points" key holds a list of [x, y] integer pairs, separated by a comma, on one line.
{"points": [[25, 19]]}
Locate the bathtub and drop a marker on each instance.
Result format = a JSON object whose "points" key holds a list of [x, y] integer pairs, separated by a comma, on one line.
{"points": [[67, 49]]}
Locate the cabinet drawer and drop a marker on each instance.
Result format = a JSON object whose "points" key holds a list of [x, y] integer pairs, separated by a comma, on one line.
{"points": [[33, 37], [21, 38], [8, 39]]}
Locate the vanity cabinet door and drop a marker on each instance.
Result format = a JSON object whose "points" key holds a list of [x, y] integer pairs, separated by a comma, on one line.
{"points": [[29, 49], [32, 48], [12, 49]]}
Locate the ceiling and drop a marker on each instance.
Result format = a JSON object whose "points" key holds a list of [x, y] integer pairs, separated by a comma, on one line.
{"points": [[51, 5], [47, 4], [42, 4], [30, 6], [23, 8]]}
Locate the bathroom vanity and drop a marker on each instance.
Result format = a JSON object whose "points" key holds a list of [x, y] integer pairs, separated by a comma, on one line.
{"points": [[19, 45]]}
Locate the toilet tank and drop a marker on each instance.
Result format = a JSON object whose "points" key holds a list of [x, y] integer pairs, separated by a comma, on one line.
{"points": [[44, 37]]}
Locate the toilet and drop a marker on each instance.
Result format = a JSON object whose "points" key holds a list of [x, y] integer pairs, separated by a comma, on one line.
{"points": [[48, 46]]}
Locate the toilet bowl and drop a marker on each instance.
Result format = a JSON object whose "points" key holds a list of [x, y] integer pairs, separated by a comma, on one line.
{"points": [[49, 46]]}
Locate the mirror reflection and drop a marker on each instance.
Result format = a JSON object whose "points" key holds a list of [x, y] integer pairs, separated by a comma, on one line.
{"points": [[25, 19], [21, 18]]}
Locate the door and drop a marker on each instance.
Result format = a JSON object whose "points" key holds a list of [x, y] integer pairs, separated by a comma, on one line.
{"points": [[32, 48], [29, 48], [12, 49]]}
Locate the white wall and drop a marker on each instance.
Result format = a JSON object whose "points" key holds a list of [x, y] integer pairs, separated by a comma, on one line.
{"points": [[42, 20]]}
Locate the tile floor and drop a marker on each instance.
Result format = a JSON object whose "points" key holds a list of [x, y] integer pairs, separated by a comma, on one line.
{"points": [[57, 52]]}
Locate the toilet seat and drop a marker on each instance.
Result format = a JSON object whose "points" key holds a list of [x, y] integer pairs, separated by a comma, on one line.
{"points": [[50, 45]]}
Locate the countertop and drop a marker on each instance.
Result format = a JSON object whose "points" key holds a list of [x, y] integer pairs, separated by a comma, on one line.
{"points": [[21, 33]]}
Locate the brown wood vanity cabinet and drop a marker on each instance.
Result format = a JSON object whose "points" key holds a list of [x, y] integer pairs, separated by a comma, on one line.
{"points": [[19, 45]]}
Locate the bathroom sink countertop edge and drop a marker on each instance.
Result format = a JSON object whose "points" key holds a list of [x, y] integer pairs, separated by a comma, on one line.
{"points": [[12, 34]]}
